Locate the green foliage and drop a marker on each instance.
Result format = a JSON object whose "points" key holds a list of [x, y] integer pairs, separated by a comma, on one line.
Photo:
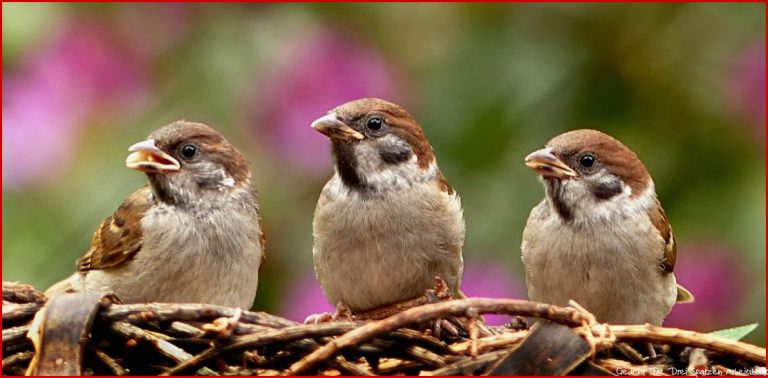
{"points": [[736, 333]]}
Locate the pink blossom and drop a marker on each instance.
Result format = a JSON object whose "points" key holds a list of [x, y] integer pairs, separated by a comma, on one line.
{"points": [[718, 282], [747, 86], [46, 101]]}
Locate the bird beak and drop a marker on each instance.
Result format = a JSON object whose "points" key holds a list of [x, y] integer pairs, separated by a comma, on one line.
{"points": [[146, 157], [545, 163], [334, 128]]}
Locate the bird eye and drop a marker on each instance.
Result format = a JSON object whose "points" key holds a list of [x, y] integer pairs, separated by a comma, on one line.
{"points": [[188, 151], [587, 160], [374, 123]]}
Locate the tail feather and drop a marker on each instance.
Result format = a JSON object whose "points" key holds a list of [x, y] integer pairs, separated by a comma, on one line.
{"points": [[684, 295]]}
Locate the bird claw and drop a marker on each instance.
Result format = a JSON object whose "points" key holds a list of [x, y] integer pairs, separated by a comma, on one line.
{"points": [[223, 327], [458, 326], [343, 314], [322, 317]]}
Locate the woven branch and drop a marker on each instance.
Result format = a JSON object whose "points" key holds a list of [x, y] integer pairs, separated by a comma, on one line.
{"points": [[171, 339]]}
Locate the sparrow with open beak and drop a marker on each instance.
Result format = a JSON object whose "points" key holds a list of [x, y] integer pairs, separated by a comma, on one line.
{"points": [[600, 236], [387, 223], [192, 235]]}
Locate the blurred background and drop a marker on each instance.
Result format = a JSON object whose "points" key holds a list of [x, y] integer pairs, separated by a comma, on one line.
{"points": [[683, 85]]}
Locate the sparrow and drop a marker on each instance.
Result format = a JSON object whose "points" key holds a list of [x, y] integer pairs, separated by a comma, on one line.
{"points": [[387, 223], [192, 235], [600, 236]]}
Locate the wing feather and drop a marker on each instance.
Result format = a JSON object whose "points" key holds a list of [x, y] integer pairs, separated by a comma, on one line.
{"points": [[659, 220], [119, 238]]}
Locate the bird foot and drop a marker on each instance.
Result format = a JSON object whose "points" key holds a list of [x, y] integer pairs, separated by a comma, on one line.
{"points": [[455, 326], [343, 314]]}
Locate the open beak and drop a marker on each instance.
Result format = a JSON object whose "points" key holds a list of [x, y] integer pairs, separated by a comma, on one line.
{"points": [[334, 128], [545, 163], [146, 157]]}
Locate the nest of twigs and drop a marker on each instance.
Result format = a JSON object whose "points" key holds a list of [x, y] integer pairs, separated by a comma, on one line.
{"points": [[94, 334]]}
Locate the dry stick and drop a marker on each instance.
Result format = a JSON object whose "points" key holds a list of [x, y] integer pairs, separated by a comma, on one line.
{"points": [[198, 312], [467, 364], [110, 362], [683, 337], [21, 293], [422, 339], [348, 368], [19, 311], [15, 335], [165, 348], [502, 340], [622, 367], [260, 339], [473, 334], [393, 366], [426, 357], [568, 316], [186, 330], [17, 358]]}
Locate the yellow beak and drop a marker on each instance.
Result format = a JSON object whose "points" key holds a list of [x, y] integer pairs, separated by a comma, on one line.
{"points": [[146, 157], [545, 163], [332, 127]]}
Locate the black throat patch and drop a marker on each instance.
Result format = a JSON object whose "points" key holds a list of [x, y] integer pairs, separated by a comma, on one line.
{"points": [[162, 190], [607, 190], [556, 192], [346, 165], [392, 153]]}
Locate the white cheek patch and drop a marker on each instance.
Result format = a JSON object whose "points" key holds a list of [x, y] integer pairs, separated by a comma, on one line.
{"points": [[213, 175], [228, 181], [384, 176], [587, 208]]}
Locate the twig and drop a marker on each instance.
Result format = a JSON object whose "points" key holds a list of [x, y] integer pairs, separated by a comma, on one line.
{"points": [[502, 340], [22, 293], [422, 339], [15, 335], [473, 334], [467, 365], [109, 362], [165, 348], [184, 312], [421, 314], [621, 367], [348, 368], [19, 311], [392, 366], [426, 357], [394, 345], [186, 330], [254, 340], [17, 358], [683, 337]]}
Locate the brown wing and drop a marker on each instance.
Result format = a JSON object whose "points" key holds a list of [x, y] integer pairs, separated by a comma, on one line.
{"points": [[119, 237], [443, 184], [659, 220], [262, 239]]}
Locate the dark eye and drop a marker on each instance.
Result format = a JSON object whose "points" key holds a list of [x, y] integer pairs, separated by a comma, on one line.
{"points": [[188, 151], [587, 160], [374, 123]]}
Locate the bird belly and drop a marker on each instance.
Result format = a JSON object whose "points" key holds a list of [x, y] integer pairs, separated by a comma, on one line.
{"points": [[369, 254], [610, 272], [187, 258]]}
